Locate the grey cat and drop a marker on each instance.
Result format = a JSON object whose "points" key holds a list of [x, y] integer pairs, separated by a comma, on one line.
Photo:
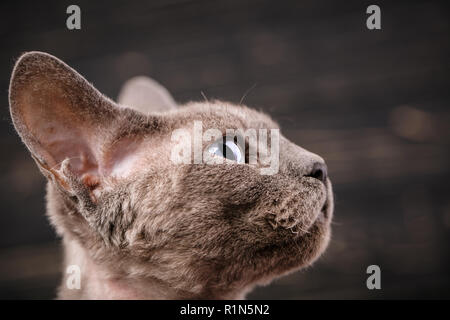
{"points": [[140, 226]]}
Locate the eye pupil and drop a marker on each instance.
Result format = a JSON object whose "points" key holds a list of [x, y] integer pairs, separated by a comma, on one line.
{"points": [[228, 153], [227, 149]]}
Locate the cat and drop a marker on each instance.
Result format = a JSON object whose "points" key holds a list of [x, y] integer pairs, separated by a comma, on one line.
{"points": [[138, 225]]}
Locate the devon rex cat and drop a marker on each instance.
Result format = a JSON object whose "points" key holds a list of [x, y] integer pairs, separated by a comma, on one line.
{"points": [[140, 226]]}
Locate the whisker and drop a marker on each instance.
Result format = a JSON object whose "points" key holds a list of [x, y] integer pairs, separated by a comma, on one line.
{"points": [[336, 223], [247, 92], [204, 96]]}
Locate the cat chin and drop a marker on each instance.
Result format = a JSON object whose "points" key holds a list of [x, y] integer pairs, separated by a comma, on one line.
{"points": [[300, 253], [317, 245]]}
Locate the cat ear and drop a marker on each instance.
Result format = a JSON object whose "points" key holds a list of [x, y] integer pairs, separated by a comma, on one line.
{"points": [[62, 118], [146, 95]]}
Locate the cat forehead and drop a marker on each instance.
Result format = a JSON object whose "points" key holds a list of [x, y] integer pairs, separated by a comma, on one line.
{"points": [[224, 115]]}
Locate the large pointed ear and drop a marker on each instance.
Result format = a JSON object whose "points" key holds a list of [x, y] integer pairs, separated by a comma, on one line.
{"points": [[146, 95], [60, 117]]}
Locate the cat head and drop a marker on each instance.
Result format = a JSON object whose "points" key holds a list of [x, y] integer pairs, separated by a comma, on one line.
{"points": [[115, 187]]}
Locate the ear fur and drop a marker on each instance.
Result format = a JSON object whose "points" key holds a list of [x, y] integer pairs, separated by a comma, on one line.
{"points": [[60, 116]]}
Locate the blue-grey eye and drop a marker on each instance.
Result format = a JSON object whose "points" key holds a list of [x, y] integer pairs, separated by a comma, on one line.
{"points": [[226, 149]]}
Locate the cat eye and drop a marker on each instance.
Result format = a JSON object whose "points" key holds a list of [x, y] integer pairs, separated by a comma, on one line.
{"points": [[226, 148]]}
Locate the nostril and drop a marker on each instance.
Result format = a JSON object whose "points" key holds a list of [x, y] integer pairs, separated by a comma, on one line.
{"points": [[319, 171]]}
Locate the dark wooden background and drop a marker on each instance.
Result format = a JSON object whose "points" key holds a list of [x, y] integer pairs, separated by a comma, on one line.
{"points": [[374, 104]]}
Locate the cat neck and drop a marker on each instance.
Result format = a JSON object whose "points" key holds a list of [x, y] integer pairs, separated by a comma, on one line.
{"points": [[97, 282]]}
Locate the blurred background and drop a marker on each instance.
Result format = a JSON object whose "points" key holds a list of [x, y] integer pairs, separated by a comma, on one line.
{"points": [[374, 104]]}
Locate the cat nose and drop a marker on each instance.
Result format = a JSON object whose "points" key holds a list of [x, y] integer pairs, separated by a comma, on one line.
{"points": [[319, 171]]}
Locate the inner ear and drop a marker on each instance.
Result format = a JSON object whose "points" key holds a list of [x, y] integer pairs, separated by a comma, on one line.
{"points": [[58, 130], [59, 115]]}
